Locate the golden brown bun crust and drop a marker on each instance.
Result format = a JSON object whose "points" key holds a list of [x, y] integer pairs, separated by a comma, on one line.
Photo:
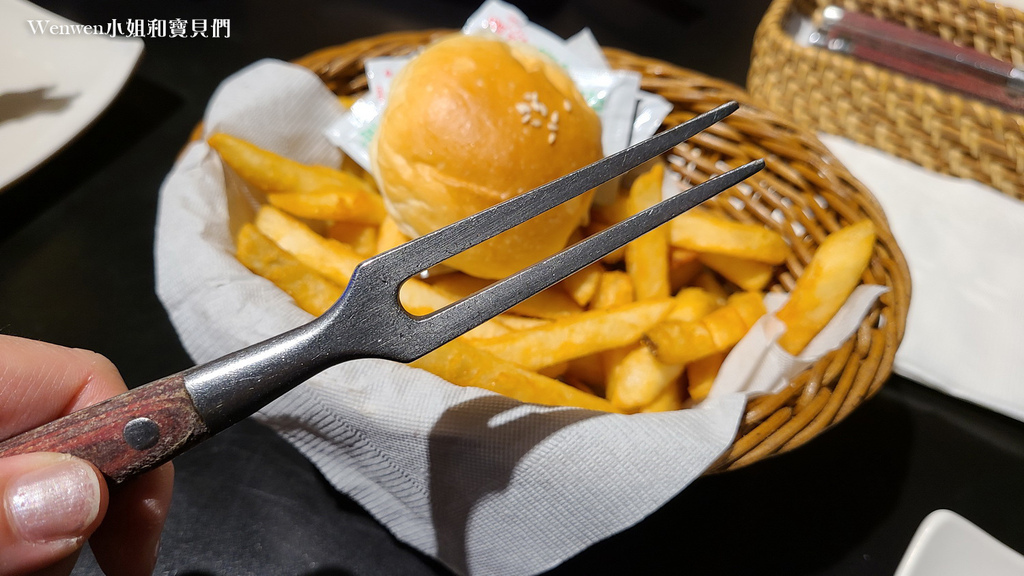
{"points": [[453, 141]]}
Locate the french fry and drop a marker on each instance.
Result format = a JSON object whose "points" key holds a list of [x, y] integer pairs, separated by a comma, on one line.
{"points": [[551, 303], [311, 291], [636, 378], [330, 204], [639, 378], [610, 358], [749, 275], [645, 191], [647, 257], [683, 267], [671, 398], [331, 258], [273, 174], [707, 281], [681, 342], [578, 335], [701, 231], [743, 310], [615, 289], [614, 211], [681, 256], [693, 303], [516, 322], [361, 237], [350, 166], [555, 370], [701, 374], [462, 363], [336, 261], [389, 236], [825, 284], [647, 264], [582, 285], [588, 371]]}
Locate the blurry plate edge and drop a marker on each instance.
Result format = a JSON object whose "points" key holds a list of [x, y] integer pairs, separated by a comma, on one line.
{"points": [[86, 72], [947, 544]]}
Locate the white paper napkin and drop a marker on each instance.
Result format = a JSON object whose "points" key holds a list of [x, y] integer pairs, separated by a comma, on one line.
{"points": [[964, 244], [484, 483]]}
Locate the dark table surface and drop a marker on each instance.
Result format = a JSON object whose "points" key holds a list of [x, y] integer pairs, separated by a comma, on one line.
{"points": [[76, 268]]}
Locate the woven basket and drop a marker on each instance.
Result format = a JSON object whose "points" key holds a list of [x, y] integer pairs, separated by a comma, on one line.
{"points": [[908, 118], [804, 193]]}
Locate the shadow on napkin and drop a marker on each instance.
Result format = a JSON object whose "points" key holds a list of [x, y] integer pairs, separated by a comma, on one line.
{"points": [[462, 455]]}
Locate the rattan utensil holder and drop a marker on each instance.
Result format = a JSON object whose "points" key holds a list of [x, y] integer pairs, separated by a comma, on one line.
{"points": [[804, 194], [902, 116]]}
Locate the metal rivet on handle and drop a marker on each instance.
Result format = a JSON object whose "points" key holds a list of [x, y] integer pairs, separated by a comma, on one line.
{"points": [[141, 433]]}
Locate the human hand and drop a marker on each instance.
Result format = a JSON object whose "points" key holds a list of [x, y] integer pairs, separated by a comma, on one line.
{"points": [[52, 503]]}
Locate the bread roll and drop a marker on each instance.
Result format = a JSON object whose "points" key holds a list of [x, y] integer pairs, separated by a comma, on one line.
{"points": [[471, 122]]}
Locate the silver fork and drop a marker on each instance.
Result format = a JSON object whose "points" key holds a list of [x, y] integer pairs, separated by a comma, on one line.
{"points": [[149, 425]]}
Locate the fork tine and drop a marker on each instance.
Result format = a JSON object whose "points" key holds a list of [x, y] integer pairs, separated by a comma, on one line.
{"points": [[464, 315], [436, 247]]}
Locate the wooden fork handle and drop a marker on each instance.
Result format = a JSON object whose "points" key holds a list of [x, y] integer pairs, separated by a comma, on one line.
{"points": [[125, 435]]}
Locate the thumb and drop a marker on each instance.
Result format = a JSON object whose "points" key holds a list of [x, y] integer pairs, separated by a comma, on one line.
{"points": [[51, 504]]}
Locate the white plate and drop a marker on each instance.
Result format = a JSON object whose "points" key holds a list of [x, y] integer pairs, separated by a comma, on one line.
{"points": [[52, 86], [946, 544]]}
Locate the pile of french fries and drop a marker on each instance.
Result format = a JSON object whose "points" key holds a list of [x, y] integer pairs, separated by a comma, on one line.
{"points": [[644, 330]]}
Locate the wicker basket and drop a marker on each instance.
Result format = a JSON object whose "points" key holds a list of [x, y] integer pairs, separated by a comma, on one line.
{"points": [[908, 118], [803, 193]]}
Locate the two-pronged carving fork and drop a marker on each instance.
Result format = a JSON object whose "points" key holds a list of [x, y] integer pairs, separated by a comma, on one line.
{"points": [[149, 425]]}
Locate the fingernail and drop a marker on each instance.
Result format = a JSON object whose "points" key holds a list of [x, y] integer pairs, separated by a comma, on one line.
{"points": [[56, 502]]}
